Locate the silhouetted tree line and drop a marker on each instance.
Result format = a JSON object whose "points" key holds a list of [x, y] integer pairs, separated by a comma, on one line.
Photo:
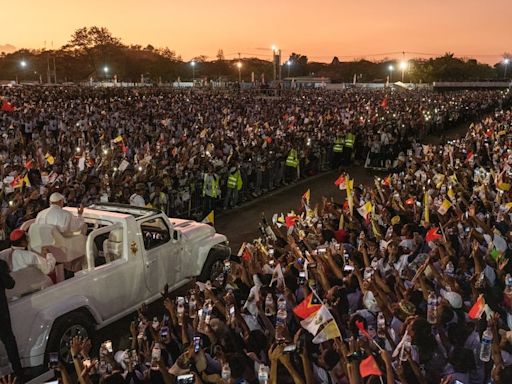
{"points": [[95, 53]]}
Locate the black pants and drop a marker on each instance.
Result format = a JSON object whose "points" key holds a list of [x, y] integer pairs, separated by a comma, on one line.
{"points": [[208, 204], [7, 337], [337, 159]]}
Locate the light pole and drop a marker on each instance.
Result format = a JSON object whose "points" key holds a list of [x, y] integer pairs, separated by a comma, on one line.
{"points": [[193, 64], [289, 64], [506, 61], [391, 69], [403, 67], [239, 66], [105, 71], [23, 65]]}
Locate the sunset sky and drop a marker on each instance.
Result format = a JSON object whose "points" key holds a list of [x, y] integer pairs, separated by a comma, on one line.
{"points": [[319, 29]]}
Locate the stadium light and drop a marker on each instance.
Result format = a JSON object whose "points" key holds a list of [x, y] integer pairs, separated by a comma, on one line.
{"points": [[239, 66], [105, 69], [506, 61], [193, 65], [288, 65], [403, 67], [23, 63], [391, 69]]}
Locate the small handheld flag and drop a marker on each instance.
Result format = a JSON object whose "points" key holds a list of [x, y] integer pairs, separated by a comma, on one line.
{"points": [[209, 219]]}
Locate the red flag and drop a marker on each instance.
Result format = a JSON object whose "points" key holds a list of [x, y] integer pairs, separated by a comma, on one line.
{"points": [[433, 234], [362, 329], [387, 181], [246, 255], [409, 201], [369, 367], [291, 220], [489, 132], [29, 164], [340, 180], [7, 107], [384, 102], [307, 307], [16, 183], [470, 155], [477, 309]]}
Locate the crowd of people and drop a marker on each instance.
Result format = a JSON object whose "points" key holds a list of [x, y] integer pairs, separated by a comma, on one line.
{"points": [[188, 152], [407, 280]]}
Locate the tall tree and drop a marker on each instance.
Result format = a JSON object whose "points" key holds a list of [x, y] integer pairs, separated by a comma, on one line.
{"points": [[88, 41]]}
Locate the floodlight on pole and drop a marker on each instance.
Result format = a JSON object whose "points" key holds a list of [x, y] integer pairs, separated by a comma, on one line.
{"points": [[288, 65], [23, 63], [193, 65], [403, 67], [391, 69], [506, 62], [239, 66]]}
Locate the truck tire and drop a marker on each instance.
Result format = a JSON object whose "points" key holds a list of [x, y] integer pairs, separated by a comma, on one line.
{"points": [[76, 323], [214, 265]]}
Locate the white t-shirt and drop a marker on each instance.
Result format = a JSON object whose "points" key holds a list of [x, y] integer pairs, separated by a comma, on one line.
{"points": [[22, 258], [137, 200]]}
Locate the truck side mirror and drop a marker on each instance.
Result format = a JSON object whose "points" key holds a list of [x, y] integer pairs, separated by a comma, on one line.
{"points": [[176, 236]]}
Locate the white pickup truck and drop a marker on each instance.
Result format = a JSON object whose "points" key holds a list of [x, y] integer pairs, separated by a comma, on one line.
{"points": [[130, 254]]}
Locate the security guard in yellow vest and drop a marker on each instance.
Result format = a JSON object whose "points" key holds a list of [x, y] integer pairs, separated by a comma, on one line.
{"points": [[211, 190], [337, 151], [234, 185], [292, 165], [349, 146]]}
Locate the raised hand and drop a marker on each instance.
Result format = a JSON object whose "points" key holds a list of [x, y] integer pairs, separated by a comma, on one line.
{"points": [[7, 380]]}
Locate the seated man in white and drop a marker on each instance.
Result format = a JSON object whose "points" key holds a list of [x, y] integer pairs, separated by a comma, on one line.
{"points": [[23, 258], [65, 221]]}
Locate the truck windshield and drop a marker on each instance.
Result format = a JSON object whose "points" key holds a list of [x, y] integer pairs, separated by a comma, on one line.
{"points": [[154, 232]]}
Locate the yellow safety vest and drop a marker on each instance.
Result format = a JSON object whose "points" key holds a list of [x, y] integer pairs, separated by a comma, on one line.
{"points": [[338, 145], [235, 180], [349, 141], [291, 160], [215, 188]]}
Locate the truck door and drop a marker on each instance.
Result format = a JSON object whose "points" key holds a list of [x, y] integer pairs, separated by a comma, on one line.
{"points": [[159, 251]]}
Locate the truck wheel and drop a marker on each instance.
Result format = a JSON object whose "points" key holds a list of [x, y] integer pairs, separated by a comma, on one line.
{"points": [[213, 267], [64, 329]]}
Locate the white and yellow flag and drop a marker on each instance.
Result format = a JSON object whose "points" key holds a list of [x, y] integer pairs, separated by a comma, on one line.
{"points": [[330, 331], [315, 321], [209, 219], [445, 206]]}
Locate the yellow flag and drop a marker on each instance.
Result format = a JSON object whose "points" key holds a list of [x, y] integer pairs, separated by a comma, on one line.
{"points": [[50, 159], [426, 216], [445, 206], [375, 227], [451, 193], [365, 209], [341, 224], [209, 219], [504, 186], [118, 139], [330, 331], [438, 180], [306, 196], [350, 198]]}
